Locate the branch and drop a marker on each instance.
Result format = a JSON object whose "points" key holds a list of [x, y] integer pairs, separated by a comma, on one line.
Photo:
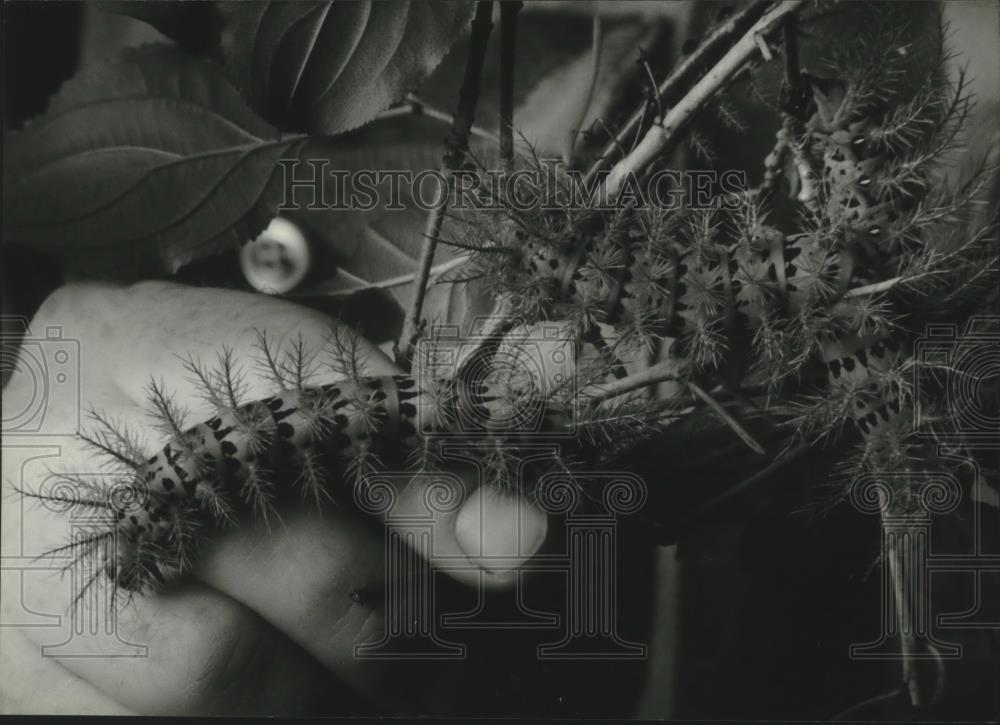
{"points": [[596, 46], [728, 419], [871, 289], [458, 144], [663, 132], [436, 271], [508, 43], [658, 373], [794, 107], [468, 95], [418, 107], [709, 51]]}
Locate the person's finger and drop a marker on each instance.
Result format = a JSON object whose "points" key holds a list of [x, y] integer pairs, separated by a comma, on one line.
{"points": [[34, 685], [479, 535], [319, 578], [482, 541], [190, 649], [146, 331], [301, 577]]}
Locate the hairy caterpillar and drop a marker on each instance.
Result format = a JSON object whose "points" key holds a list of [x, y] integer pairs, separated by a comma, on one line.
{"points": [[161, 506], [659, 275], [743, 301]]}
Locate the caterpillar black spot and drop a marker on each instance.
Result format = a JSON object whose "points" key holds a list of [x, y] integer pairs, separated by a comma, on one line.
{"points": [[313, 438], [737, 299]]}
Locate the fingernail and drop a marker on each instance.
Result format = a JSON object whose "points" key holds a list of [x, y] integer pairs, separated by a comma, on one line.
{"points": [[499, 530]]}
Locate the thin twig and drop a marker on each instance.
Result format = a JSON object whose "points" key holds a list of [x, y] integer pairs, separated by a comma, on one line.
{"points": [[658, 373], [436, 271], [871, 289], [652, 83], [661, 133], [904, 613], [709, 51], [744, 485], [793, 70], [468, 95], [794, 106], [458, 143], [596, 46], [409, 108], [728, 419], [765, 49], [882, 698], [508, 45], [419, 107]]}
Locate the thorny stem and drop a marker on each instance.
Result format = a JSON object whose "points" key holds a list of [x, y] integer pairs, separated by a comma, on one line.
{"points": [[663, 131], [508, 44], [458, 144], [765, 49], [709, 51]]}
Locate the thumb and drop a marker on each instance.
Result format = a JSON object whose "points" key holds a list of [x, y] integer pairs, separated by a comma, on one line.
{"points": [[477, 533]]}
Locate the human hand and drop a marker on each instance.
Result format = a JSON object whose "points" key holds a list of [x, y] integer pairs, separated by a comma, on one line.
{"points": [[267, 622]]}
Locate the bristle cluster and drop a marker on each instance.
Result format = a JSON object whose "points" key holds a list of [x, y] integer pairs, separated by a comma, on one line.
{"points": [[319, 440], [810, 313], [818, 315]]}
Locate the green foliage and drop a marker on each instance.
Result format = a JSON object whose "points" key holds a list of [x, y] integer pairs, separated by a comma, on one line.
{"points": [[319, 67], [143, 164]]}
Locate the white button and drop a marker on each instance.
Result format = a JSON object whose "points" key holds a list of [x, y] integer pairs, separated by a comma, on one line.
{"points": [[278, 260]]}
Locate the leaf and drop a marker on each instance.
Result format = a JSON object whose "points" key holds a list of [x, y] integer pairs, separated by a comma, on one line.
{"points": [[324, 67], [562, 101], [142, 164]]}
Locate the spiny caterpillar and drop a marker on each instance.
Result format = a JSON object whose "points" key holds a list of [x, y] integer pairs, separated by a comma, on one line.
{"points": [[744, 305], [160, 507], [747, 305]]}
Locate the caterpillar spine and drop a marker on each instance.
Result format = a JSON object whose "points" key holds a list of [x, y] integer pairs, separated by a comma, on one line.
{"points": [[737, 299]]}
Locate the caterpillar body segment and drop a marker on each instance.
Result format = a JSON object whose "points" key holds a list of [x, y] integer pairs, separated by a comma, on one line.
{"points": [[736, 299], [725, 287], [231, 462]]}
